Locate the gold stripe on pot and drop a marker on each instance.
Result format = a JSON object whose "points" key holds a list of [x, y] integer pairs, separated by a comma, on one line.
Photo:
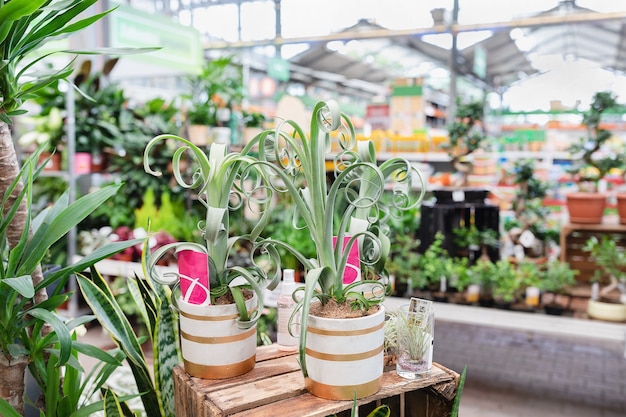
{"points": [[344, 357], [342, 392], [218, 339], [357, 332], [219, 371], [212, 318]]}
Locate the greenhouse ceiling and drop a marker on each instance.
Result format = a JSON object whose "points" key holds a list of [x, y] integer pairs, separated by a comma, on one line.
{"points": [[366, 43]]}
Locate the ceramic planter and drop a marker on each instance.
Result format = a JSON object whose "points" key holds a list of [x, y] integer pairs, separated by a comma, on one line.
{"points": [[586, 208], [607, 311], [212, 345], [344, 357]]}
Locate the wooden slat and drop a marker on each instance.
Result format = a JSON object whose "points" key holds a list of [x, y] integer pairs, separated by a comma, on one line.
{"points": [[573, 239], [276, 385]]}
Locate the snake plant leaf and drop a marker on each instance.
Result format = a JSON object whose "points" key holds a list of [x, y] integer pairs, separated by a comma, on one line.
{"points": [[23, 285], [113, 319], [112, 406], [164, 331], [166, 352], [145, 303]]}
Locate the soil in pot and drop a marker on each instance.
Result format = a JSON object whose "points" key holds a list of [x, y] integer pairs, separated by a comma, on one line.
{"points": [[334, 310]]}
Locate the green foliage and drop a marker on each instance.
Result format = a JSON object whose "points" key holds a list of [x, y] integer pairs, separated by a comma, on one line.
{"points": [[16, 285], [466, 135], [608, 256], [588, 162], [25, 26], [69, 391], [530, 212], [459, 391], [266, 326], [435, 262], [506, 281], [481, 273], [281, 227], [253, 119], [558, 277], [403, 259], [474, 238], [218, 84]]}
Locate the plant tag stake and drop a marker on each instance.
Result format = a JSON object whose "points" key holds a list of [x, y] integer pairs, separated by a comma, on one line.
{"points": [[352, 272], [193, 269], [421, 310]]}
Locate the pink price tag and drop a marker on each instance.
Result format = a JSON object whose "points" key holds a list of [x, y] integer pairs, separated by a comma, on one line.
{"points": [[352, 272], [193, 268]]}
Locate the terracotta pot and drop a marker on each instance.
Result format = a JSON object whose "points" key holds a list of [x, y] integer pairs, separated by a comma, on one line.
{"points": [[586, 208], [199, 134], [621, 207], [344, 357], [54, 164], [212, 345]]}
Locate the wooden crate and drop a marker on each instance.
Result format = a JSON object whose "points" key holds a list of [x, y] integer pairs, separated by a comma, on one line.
{"points": [[573, 238], [275, 387]]}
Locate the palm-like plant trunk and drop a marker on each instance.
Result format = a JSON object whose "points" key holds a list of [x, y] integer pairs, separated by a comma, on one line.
{"points": [[12, 369]]}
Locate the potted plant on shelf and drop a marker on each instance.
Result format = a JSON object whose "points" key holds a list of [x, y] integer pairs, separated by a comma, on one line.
{"points": [[506, 284], [592, 160], [611, 261], [213, 91], [435, 267], [466, 135], [341, 332], [557, 278], [219, 303], [477, 282], [530, 229], [252, 124]]}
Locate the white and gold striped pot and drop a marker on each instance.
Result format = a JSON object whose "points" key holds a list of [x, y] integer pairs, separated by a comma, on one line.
{"points": [[344, 357], [212, 345]]}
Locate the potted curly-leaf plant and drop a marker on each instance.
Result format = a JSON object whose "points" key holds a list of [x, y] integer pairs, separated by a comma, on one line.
{"points": [[592, 161], [219, 303], [341, 332]]}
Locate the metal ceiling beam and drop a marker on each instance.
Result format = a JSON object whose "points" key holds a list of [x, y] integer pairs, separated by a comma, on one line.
{"points": [[456, 28]]}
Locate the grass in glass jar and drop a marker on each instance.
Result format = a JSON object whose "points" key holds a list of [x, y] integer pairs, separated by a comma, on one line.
{"points": [[415, 338]]}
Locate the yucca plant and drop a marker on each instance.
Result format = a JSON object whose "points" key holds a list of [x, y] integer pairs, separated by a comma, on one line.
{"points": [[28, 323], [351, 207], [25, 27]]}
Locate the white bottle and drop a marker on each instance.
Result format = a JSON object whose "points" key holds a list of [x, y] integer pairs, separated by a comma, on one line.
{"points": [[286, 305]]}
